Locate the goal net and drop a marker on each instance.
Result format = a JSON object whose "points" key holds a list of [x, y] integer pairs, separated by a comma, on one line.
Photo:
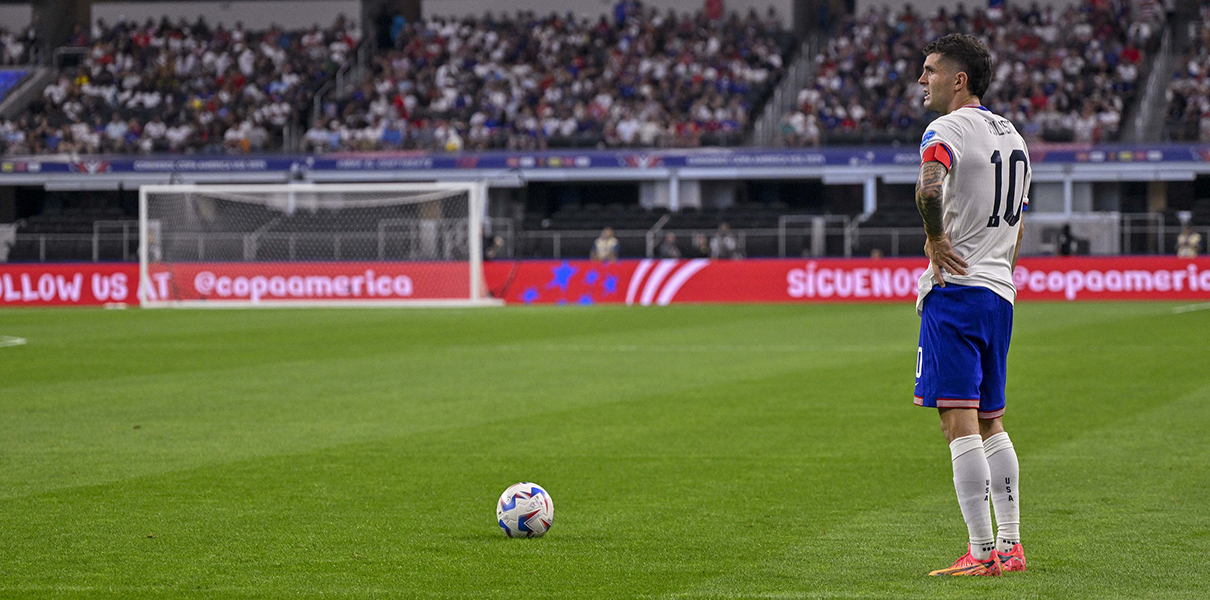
{"points": [[312, 244]]}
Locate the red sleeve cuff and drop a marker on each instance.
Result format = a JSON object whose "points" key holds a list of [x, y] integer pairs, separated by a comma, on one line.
{"points": [[940, 153]]}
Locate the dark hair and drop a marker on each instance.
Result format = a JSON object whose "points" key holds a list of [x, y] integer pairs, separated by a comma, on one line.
{"points": [[971, 56]]}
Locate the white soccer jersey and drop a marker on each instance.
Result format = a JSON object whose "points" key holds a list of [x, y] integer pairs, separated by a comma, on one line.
{"points": [[983, 196]]}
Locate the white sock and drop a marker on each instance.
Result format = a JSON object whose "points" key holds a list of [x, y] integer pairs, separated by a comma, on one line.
{"points": [[972, 478], [1002, 460]]}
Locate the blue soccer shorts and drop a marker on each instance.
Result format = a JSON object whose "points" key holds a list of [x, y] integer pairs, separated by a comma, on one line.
{"points": [[963, 354]]}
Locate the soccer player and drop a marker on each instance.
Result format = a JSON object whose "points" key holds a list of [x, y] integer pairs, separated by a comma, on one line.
{"points": [[974, 178]]}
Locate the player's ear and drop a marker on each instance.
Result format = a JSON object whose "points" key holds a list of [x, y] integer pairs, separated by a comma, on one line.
{"points": [[960, 80]]}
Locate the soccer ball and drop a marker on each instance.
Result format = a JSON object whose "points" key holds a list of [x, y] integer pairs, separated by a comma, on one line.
{"points": [[525, 510]]}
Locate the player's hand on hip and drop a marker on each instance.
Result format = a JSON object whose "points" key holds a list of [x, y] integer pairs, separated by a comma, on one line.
{"points": [[942, 256]]}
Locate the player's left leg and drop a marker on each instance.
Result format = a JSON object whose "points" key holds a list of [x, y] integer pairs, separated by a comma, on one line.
{"points": [[1005, 492], [1001, 456]]}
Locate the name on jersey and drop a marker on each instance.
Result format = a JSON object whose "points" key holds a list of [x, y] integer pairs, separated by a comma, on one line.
{"points": [[1001, 127]]}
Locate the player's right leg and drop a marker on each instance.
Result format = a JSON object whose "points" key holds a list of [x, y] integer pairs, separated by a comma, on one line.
{"points": [[971, 480], [969, 566]]}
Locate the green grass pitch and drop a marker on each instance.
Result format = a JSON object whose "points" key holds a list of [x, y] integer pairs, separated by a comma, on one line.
{"points": [[692, 452]]}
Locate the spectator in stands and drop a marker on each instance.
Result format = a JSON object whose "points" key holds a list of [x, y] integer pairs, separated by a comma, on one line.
{"points": [[153, 135], [1065, 242], [8, 237], [320, 138], [494, 248], [800, 129], [115, 133], [1188, 243], [701, 246], [668, 248], [725, 244], [18, 48], [605, 248]]}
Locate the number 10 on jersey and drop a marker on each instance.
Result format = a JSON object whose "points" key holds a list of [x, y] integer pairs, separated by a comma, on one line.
{"points": [[1012, 212]]}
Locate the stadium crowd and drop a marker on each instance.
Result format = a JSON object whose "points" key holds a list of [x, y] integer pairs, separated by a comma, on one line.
{"points": [[18, 47], [188, 88], [1189, 92], [643, 78], [1061, 75]]}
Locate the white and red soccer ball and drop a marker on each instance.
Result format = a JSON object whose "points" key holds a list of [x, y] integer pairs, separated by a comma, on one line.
{"points": [[525, 510]]}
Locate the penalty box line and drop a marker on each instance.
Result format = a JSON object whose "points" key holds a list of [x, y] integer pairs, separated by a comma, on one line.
{"points": [[8, 340]]}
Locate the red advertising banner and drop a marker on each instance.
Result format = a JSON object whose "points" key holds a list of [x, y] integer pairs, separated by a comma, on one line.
{"points": [[67, 284], [1113, 278], [634, 282], [662, 282], [327, 281]]}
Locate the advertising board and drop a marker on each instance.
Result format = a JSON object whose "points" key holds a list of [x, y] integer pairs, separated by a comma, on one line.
{"points": [[632, 282]]}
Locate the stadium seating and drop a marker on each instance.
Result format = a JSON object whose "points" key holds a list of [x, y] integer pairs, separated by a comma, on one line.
{"points": [[1188, 117], [18, 47], [186, 88], [58, 219], [525, 82], [1060, 75], [650, 79]]}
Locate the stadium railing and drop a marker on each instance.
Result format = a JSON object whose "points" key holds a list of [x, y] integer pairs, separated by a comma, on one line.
{"points": [[350, 73], [1144, 233]]}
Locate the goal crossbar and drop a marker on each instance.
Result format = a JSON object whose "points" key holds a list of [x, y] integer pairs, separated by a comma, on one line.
{"points": [[426, 249]]}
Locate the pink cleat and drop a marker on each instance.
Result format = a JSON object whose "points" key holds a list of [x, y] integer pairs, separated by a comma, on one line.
{"points": [[1013, 561], [968, 566]]}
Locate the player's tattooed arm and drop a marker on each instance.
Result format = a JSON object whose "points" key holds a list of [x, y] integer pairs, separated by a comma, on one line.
{"points": [[940, 251], [928, 198]]}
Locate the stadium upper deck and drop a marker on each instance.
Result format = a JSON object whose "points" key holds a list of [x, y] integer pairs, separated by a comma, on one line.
{"points": [[642, 78]]}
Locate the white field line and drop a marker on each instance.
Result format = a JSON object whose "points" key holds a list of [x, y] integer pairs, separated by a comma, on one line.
{"points": [[775, 595], [689, 348], [8, 340], [1188, 308]]}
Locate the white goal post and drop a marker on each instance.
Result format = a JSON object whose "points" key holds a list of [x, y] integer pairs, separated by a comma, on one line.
{"points": [[311, 244]]}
